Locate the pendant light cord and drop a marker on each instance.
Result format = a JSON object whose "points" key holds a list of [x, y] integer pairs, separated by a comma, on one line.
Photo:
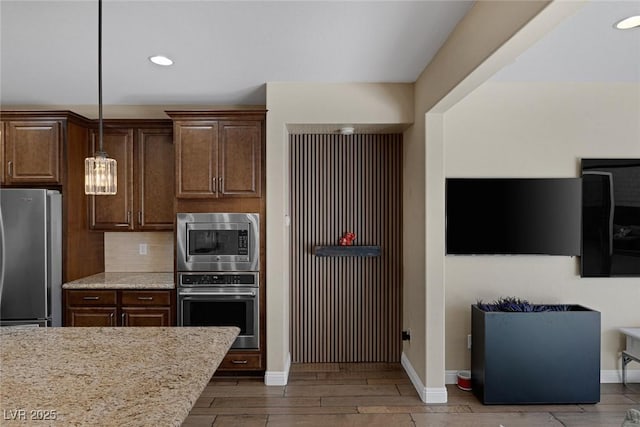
{"points": [[101, 149]]}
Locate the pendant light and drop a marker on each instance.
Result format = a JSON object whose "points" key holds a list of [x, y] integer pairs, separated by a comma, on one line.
{"points": [[100, 172]]}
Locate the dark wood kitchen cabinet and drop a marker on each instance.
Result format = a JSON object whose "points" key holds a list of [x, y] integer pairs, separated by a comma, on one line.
{"points": [[146, 316], [145, 161], [154, 184], [146, 308], [87, 307], [196, 145], [114, 212], [32, 151], [240, 158], [241, 361], [91, 316], [91, 308], [218, 154]]}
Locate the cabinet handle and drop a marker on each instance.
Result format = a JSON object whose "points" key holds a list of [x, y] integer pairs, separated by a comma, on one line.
{"points": [[220, 184], [145, 298], [215, 186], [139, 217], [111, 319], [10, 168], [124, 317], [128, 217], [239, 362], [91, 298]]}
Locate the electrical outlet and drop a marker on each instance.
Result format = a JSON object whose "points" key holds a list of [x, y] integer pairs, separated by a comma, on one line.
{"points": [[469, 342], [406, 335], [142, 249]]}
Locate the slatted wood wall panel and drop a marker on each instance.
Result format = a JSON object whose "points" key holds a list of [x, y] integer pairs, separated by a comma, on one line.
{"points": [[346, 309]]}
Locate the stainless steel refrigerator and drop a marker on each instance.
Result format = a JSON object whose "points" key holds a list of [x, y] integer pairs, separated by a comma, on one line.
{"points": [[30, 257]]}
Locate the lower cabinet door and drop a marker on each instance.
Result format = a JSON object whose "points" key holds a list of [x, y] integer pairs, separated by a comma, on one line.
{"points": [[146, 316], [91, 316]]}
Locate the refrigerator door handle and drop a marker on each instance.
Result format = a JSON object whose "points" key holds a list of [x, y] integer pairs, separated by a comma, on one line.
{"points": [[2, 251]]}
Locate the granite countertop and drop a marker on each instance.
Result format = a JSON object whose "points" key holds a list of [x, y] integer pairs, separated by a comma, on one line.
{"points": [[106, 376], [123, 281]]}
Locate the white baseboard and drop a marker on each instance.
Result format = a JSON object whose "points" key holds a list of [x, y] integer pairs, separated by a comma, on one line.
{"points": [[436, 395], [615, 376], [451, 377], [606, 376], [278, 377], [427, 394]]}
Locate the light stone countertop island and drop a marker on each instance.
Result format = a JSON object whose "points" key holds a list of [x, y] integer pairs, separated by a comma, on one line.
{"points": [[106, 376], [115, 280]]}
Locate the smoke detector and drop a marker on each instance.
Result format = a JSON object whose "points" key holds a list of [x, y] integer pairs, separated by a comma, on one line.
{"points": [[347, 130]]}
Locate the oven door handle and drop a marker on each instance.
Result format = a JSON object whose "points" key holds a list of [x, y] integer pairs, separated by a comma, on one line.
{"points": [[194, 295]]}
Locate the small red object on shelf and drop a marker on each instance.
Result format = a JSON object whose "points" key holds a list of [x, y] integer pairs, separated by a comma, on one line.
{"points": [[347, 239]]}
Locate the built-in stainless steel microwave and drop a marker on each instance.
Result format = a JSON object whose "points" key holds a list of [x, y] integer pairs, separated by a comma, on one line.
{"points": [[218, 242]]}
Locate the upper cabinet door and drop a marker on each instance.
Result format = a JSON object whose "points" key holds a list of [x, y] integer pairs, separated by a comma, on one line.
{"points": [[155, 179], [240, 159], [219, 153], [196, 162], [2, 152], [115, 212], [32, 152]]}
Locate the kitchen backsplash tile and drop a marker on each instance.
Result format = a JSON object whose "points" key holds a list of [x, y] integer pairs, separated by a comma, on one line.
{"points": [[122, 252]]}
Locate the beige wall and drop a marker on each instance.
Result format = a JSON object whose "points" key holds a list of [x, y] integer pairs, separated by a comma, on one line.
{"points": [[310, 103], [538, 130], [121, 252], [489, 36]]}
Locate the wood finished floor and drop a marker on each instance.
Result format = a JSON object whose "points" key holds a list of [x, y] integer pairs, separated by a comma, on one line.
{"points": [[381, 395]]}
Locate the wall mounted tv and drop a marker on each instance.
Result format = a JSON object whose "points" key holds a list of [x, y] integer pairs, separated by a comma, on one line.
{"points": [[610, 218], [496, 216]]}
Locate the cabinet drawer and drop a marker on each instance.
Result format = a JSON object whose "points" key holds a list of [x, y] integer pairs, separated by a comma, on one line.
{"points": [[241, 361], [146, 298], [91, 297]]}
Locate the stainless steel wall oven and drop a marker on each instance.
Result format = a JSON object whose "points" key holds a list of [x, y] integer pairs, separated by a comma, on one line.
{"points": [[222, 299], [218, 260]]}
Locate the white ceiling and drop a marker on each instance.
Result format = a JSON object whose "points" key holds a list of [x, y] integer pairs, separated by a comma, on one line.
{"points": [[224, 51], [585, 47]]}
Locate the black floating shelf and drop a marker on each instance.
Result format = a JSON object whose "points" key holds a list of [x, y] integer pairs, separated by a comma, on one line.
{"points": [[362, 251]]}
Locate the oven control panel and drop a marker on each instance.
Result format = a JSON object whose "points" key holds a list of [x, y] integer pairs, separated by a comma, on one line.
{"points": [[218, 279]]}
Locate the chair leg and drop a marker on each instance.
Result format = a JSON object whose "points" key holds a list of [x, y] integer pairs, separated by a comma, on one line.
{"points": [[626, 358]]}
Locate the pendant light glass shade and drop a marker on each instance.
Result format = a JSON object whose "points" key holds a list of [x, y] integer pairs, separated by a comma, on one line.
{"points": [[100, 175], [100, 172]]}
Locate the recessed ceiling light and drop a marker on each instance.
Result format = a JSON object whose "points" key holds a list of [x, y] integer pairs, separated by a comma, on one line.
{"points": [[161, 60], [628, 23]]}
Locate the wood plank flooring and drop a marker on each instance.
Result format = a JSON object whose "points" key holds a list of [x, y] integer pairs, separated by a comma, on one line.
{"points": [[381, 395]]}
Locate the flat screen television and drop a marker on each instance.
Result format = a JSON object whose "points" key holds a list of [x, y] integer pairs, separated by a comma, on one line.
{"points": [[610, 218], [494, 216]]}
